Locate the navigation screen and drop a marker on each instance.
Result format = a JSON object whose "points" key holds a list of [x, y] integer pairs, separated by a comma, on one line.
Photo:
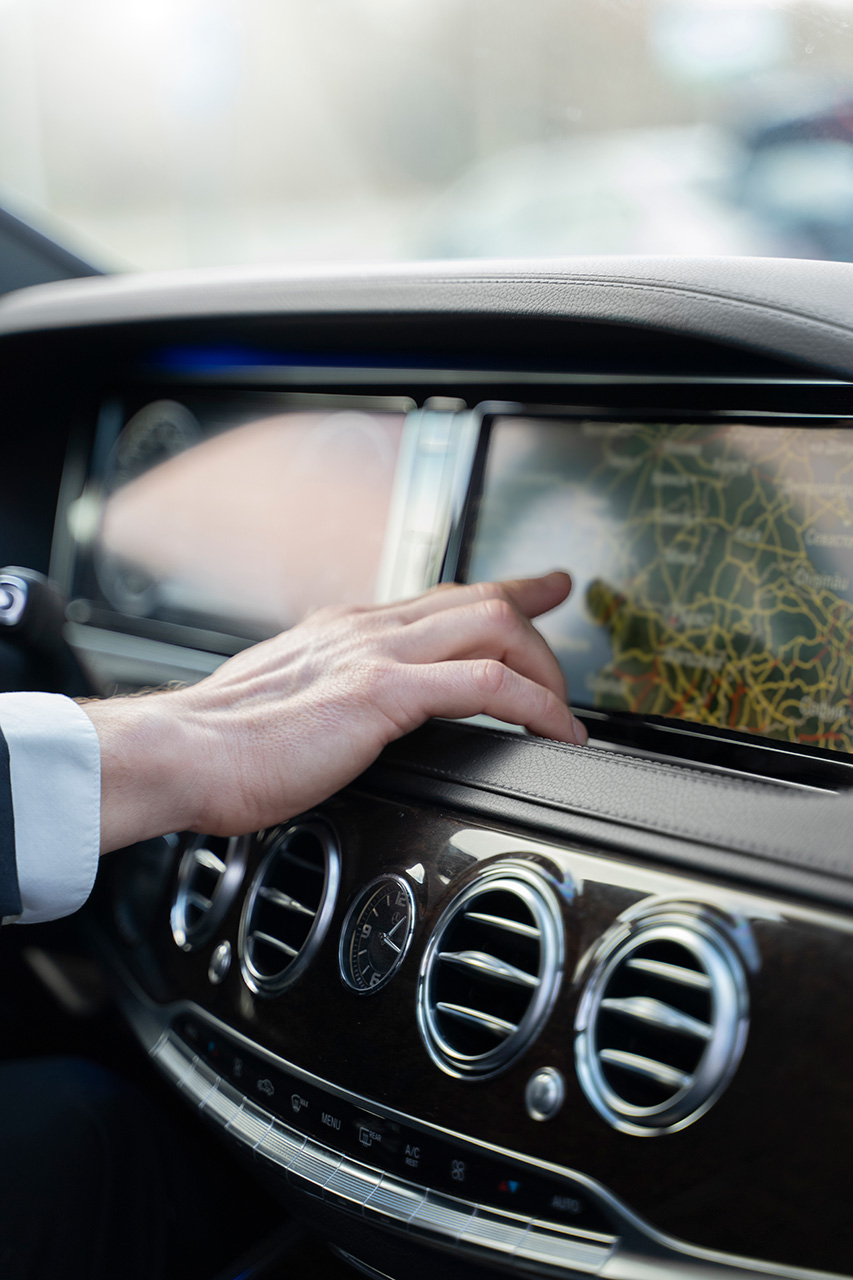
{"points": [[712, 565]]}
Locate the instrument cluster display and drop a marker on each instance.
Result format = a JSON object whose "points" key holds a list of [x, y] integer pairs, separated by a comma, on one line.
{"points": [[234, 512]]}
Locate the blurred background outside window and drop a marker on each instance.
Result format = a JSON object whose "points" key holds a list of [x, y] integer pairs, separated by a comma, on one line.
{"points": [[166, 133]]}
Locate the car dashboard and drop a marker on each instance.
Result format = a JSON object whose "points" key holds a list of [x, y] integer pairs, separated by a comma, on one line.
{"points": [[502, 1005]]}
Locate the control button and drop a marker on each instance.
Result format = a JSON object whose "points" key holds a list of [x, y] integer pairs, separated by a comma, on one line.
{"points": [[175, 1060], [353, 1183], [313, 1167], [373, 1140], [201, 1081], [519, 1190], [250, 1125], [220, 963], [332, 1118], [545, 1094], [279, 1147], [221, 1104], [566, 1203], [412, 1153], [395, 1200]]}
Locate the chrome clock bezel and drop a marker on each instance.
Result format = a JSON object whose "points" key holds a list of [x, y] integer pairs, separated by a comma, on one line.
{"points": [[360, 902]]}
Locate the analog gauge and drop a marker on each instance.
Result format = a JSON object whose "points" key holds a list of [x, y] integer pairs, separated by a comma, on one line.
{"points": [[376, 933], [153, 435]]}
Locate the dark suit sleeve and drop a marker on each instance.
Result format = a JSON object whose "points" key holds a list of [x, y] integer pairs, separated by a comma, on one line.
{"points": [[10, 894]]}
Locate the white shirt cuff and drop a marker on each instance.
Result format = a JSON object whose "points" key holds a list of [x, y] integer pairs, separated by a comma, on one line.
{"points": [[55, 770]]}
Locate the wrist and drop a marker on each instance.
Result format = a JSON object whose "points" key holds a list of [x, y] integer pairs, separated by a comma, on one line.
{"points": [[147, 785]]}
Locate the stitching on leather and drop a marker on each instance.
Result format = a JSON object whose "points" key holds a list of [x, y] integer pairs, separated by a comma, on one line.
{"points": [[699, 776], [660, 767], [749, 846]]}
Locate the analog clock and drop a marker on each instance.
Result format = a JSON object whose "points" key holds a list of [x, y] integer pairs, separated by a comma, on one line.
{"points": [[376, 933]]}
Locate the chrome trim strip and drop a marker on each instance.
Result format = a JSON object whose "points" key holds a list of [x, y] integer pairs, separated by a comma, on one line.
{"points": [[444, 1215], [503, 1234], [250, 1124], [280, 1145], [360, 1188], [353, 1182], [543, 1244], [641, 1250], [395, 1199]]}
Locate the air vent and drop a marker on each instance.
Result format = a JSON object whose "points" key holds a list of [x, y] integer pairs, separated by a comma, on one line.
{"points": [[289, 905], [209, 876], [490, 971], [662, 1024]]}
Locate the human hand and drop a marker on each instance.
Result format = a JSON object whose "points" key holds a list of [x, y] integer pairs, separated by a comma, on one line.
{"points": [[283, 725]]}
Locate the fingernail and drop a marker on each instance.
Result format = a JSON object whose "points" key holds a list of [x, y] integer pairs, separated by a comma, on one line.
{"points": [[580, 731]]}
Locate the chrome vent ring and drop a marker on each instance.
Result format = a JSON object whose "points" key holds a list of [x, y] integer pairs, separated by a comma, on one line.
{"points": [[209, 876], [490, 971], [289, 905], [662, 1023]]}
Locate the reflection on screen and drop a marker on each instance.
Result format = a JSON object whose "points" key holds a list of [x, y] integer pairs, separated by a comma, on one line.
{"points": [[712, 566], [251, 528]]}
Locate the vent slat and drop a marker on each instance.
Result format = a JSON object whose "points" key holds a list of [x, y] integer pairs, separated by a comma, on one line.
{"points": [[490, 966], [658, 1014], [502, 922], [280, 899], [305, 864], [208, 859], [647, 1067], [475, 1018], [258, 936], [671, 972], [199, 901]]}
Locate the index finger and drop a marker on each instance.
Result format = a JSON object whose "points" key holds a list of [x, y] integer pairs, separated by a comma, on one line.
{"points": [[531, 596]]}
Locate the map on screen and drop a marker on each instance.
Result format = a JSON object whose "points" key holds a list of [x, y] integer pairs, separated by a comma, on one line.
{"points": [[712, 565]]}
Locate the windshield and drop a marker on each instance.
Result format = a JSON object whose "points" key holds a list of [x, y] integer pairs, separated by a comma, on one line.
{"points": [[165, 133]]}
